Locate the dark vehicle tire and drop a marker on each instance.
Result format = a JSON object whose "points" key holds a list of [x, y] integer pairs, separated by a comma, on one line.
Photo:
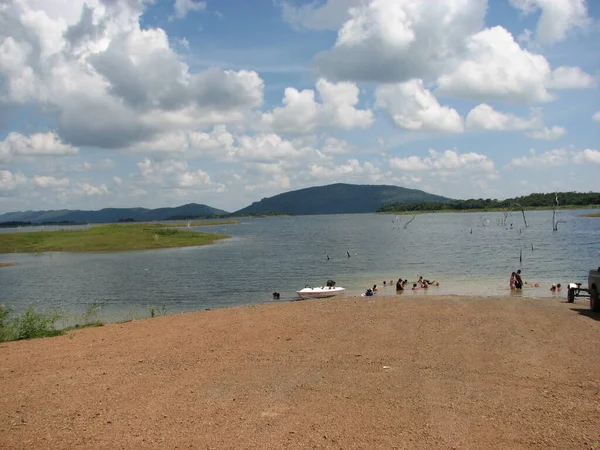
{"points": [[571, 295], [594, 301]]}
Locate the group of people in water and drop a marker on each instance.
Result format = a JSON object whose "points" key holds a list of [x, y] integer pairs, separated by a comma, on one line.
{"points": [[516, 283], [421, 283]]}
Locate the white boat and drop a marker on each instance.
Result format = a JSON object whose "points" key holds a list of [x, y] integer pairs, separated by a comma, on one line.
{"points": [[320, 292]]}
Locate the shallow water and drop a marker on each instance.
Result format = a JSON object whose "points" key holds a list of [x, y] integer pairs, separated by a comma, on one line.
{"points": [[468, 253]]}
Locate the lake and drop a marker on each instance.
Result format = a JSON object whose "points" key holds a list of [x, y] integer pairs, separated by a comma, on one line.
{"points": [[468, 253]]}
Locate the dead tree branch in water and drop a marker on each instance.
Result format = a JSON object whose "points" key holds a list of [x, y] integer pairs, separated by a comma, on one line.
{"points": [[407, 223], [522, 212], [554, 221], [505, 214]]}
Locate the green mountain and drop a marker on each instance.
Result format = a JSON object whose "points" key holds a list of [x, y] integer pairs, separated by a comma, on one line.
{"points": [[110, 215], [338, 198]]}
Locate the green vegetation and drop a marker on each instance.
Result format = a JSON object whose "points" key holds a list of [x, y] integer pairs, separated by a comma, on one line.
{"points": [[154, 311], [90, 316], [31, 324], [117, 237], [337, 198], [532, 201]]}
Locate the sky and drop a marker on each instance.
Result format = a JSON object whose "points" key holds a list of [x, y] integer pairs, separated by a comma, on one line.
{"points": [[157, 103]]}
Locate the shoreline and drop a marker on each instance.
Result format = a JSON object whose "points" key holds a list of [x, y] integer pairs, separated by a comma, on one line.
{"points": [[350, 372], [120, 237]]}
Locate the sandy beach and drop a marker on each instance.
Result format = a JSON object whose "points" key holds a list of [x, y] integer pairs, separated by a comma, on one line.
{"points": [[349, 373]]}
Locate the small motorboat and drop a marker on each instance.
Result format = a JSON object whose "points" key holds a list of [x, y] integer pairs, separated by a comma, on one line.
{"points": [[322, 291]]}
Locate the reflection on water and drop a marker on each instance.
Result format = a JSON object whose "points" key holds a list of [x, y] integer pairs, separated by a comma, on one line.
{"points": [[470, 253]]}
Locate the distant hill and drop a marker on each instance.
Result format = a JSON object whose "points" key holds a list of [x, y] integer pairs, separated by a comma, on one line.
{"points": [[338, 198], [110, 215]]}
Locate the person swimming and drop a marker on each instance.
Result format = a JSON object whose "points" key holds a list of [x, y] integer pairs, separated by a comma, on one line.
{"points": [[423, 282]]}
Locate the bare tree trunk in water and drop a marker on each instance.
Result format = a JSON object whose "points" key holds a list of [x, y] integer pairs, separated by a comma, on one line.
{"points": [[554, 221], [522, 212], [406, 224]]}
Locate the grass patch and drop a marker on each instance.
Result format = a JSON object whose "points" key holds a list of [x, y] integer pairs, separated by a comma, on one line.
{"points": [[154, 311], [33, 324], [29, 325], [114, 237]]}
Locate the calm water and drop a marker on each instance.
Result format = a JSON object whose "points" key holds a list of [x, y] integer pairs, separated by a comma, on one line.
{"points": [[472, 253]]}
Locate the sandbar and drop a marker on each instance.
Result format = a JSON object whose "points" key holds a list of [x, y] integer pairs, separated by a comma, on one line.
{"points": [[429, 372]]}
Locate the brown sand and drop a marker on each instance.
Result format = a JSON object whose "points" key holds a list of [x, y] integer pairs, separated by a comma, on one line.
{"points": [[406, 372]]}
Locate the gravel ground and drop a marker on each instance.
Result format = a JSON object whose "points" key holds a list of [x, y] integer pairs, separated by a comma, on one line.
{"points": [[349, 373]]}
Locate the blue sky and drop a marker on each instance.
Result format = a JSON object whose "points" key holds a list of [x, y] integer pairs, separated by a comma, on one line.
{"points": [[123, 103]]}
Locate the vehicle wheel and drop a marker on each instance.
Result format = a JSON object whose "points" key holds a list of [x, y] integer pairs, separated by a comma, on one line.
{"points": [[594, 301]]}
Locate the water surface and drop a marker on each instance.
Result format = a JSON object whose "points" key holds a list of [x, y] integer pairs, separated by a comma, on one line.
{"points": [[468, 253]]}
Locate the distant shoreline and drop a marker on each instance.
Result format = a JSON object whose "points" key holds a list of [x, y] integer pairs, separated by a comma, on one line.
{"points": [[480, 210], [109, 237]]}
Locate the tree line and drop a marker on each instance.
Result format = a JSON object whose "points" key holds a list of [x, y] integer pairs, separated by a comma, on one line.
{"points": [[527, 201]]}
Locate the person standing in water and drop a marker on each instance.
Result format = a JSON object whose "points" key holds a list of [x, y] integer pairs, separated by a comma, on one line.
{"points": [[399, 286], [518, 280]]}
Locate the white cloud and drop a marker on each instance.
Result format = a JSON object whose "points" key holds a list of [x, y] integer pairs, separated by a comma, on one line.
{"points": [[174, 174], [276, 183], [557, 158], [89, 190], [183, 7], [558, 17], [16, 145], [547, 134], [448, 173], [564, 77], [298, 115], [334, 146], [596, 117], [50, 182], [348, 172], [217, 144], [485, 117], [269, 148], [496, 67], [586, 156], [395, 41], [106, 81], [194, 178], [448, 162], [327, 16], [301, 113], [413, 107], [10, 181]]}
